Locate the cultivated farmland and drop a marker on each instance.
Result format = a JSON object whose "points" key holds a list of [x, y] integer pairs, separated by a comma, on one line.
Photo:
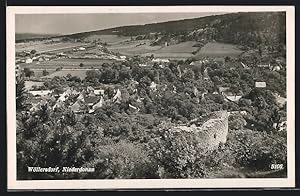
{"points": [[216, 49], [79, 73], [43, 46], [177, 51], [134, 47], [184, 47], [30, 84], [109, 39], [66, 63]]}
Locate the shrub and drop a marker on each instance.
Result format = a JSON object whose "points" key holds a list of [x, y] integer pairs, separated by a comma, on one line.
{"points": [[236, 122], [257, 150], [122, 160]]}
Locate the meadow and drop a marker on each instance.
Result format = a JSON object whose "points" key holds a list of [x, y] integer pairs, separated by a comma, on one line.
{"points": [[216, 49], [81, 73], [139, 47], [46, 46], [109, 39], [66, 63]]}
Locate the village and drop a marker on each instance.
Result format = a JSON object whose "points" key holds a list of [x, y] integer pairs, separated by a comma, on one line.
{"points": [[143, 92]]}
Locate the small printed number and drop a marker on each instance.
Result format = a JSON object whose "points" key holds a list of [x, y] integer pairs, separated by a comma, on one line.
{"points": [[276, 166]]}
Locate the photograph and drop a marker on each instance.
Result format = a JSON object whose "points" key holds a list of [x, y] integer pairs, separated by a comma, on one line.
{"points": [[150, 97]]}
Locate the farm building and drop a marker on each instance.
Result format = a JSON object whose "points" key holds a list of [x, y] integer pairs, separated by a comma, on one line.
{"points": [[260, 84], [158, 60], [233, 98], [117, 98], [99, 92], [81, 49], [264, 65], [99, 104], [28, 60]]}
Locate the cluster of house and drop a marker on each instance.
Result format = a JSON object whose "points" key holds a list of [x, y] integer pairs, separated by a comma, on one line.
{"points": [[161, 61], [86, 100], [38, 58], [270, 67]]}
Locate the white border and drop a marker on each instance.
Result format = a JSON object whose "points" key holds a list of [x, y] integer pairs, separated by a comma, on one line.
{"points": [[14, 184]]}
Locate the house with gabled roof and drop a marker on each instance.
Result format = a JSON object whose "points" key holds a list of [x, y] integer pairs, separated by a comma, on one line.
{"points": [[99, 104], [77, 107], [117, 97]]}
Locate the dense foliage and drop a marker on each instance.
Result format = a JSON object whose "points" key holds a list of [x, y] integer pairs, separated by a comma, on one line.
{"points": [[121, 143]]}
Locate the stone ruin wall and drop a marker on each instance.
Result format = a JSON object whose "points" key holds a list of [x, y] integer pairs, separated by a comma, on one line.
{"points": [[214, 131], [209, 134]]}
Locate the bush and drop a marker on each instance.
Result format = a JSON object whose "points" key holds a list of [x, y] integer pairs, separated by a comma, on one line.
{"points": [[256, 150], [45, 72], [122, 160], [236, 122]]}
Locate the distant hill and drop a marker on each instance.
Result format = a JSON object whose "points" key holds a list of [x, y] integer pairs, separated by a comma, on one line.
{"points": [[245, 28], [28, 36]]}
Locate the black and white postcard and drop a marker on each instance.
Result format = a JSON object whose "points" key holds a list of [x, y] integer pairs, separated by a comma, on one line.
{"points": [[150, 97]]}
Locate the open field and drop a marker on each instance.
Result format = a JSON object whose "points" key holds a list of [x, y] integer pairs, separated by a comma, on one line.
{"points": [[30, 84], [179, 51], [39, 72], [134, 47], [43, 46], [184, 47], [80, 73], [215, 49], [142, 47], [172, 56], [66, 63], [109, 39]]}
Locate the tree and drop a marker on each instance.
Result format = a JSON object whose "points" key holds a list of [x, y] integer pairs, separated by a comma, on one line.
{"points": [[236, 122], [20, 93], [33, 51], [177, 154], [81, 65], [91, 75], [122, 160], [28, 72], [45, 72], [227, 59]]}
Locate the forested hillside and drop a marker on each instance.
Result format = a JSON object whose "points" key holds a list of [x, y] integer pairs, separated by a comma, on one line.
{"points": [[239, 28]]}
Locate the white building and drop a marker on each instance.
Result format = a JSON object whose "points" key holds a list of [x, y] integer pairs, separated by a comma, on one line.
{"points": [[160, 60], [40, 92], [81, 49], [260, 84], [28, 60]]}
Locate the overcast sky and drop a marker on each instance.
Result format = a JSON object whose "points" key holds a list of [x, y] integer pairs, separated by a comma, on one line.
{"points": [[72, 23]]}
